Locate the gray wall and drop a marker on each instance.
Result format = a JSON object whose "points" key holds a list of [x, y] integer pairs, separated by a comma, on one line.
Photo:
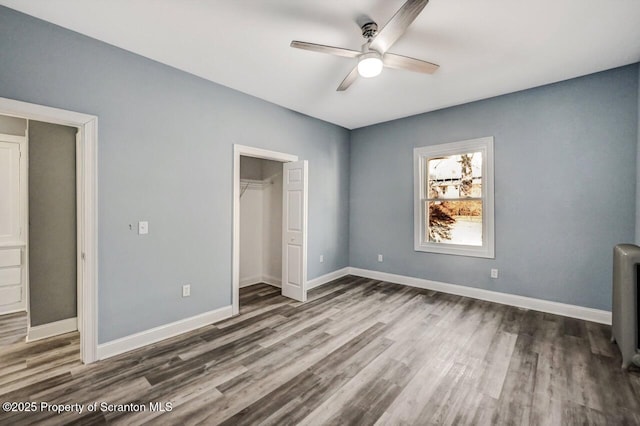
{"points": [[165, 155], [52, 222], [13, 125], [564, 188]]}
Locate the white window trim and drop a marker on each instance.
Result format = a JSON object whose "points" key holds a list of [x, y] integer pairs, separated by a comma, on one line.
{"points": [[484, 145]]}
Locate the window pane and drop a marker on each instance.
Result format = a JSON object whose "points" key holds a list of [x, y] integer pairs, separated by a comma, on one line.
{"points": [[455, 176], [454, 222]]}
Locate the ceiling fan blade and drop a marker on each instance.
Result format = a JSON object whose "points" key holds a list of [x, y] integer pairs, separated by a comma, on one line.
{"points": [[320, 48], [406, 63], [397, 25], [348, 80]]}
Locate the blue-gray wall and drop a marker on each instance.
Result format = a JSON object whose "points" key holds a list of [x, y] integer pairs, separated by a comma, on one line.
{"points": [[165, 155], [564, 188]]}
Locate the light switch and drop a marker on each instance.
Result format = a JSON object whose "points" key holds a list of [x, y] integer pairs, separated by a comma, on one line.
{"points": [[143, 227]]}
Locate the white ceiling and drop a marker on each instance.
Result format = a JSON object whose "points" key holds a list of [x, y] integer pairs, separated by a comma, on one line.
{"points": [[484, 48]]}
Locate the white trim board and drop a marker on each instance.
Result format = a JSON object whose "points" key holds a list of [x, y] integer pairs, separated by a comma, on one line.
{"points": [[327, 278], [572, 311], [156, 334], [15, 310], [52, 329], [87, 243], [275, 284], [272, 281], [246, 282], [311, 284]]}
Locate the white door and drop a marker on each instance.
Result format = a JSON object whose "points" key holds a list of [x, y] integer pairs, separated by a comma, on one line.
{"points": [[9, 192], [12, 241], [294, 230]]}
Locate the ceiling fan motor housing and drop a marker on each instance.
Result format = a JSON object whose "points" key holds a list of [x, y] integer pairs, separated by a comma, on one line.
{"points": [[369, 30]]}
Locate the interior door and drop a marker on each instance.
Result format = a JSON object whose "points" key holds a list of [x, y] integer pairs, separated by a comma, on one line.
{"points": [[294, 230], [12, 241], [9, 192]]}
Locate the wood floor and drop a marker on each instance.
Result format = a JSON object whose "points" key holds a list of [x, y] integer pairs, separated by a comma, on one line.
{"points": [[359, 352], [13, 328]]}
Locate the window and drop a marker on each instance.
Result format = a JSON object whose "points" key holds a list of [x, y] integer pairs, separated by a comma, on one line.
{"points": [[453, 186]]}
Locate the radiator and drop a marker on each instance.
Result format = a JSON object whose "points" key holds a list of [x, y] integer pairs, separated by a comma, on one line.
{"points": [[624, 329]]}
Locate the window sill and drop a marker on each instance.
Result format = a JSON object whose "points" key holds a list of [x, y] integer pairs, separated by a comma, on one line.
{"points": [[457, 250]]}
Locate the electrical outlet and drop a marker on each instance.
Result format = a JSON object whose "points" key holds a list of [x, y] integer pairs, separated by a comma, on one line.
{"points": [[494, 273], [186, 290], [380, 258], [322, 258], [143, 227]]}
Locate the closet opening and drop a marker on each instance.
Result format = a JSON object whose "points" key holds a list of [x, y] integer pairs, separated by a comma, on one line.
{"points": [[270, 191], [260, 226]]}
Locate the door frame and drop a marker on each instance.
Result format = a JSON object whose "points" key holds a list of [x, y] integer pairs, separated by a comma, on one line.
{"points": [[246, 151], [87, 209]]}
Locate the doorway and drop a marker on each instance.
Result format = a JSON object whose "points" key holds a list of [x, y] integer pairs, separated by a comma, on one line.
{"points": [[293, 243], [260, 222], [38, 229], [86, 210], [52, 261]]}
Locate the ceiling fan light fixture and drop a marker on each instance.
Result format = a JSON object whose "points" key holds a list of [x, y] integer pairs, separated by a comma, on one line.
{"points": [[370, 64]]}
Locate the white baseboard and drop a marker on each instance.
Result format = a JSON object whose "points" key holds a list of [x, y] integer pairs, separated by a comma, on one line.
{"points": [[14, 311], [276, 282], [156, 334], [52, 329], [143, 338], [572, 311], [246, 282], [327, 278]]}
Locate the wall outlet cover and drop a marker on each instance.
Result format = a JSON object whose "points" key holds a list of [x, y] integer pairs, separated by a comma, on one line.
{"points": [[143, 227]]}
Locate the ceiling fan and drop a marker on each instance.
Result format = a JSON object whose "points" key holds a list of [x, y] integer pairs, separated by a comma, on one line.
{"points": [[374, 55]]}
